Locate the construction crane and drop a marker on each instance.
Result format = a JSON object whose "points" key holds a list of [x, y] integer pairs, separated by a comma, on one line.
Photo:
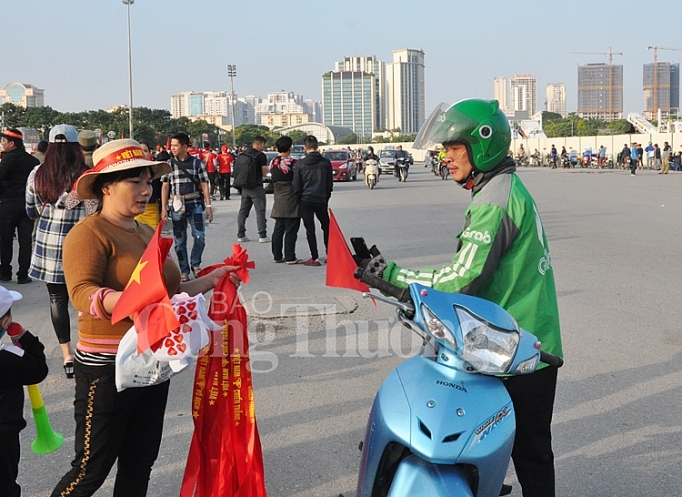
{"points": [[655, 89], [610, 53]]}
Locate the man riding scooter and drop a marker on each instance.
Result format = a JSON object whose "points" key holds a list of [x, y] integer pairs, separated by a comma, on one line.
{"points": [[372, 156], [400, 154], [502, 256]]}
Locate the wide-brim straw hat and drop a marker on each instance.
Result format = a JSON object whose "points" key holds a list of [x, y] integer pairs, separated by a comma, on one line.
{"points": [[114, 156]]}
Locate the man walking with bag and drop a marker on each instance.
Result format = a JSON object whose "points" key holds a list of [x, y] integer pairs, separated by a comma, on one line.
{"points": [[248, 170], [185, 194]]}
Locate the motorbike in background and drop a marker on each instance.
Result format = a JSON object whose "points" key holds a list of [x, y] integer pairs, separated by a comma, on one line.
{"points": [[442, 423], [371, 173], [443, 170], [402, 166]]}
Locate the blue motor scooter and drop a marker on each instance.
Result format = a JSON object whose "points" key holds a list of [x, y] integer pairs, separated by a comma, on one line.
{"points": [[442, 423]]}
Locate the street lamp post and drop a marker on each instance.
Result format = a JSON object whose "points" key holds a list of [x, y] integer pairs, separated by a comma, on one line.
{"points": [[130, 72], [232, 72]]}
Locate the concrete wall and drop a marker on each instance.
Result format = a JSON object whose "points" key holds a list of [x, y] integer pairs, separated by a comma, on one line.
{"points": [[613, 143]]}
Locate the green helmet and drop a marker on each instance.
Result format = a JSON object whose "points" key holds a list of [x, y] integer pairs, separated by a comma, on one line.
{"points": [[479, 124]]}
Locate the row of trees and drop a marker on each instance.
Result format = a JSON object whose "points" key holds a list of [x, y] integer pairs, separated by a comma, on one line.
{"points": [[573, 125], [151, 125]]}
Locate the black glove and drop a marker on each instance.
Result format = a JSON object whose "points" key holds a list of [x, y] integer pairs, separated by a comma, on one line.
{"points": [[375, 265]]}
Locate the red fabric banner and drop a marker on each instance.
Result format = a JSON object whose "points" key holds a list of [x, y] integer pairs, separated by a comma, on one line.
{"points": [[225, 457], [145, 297], [340, 262]]}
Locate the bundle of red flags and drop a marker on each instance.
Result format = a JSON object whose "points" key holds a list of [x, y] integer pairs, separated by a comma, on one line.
{"points": [[340, 262], [145, 297], [225, 457]]}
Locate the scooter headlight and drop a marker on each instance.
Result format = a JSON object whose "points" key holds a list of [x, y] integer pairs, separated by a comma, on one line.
{"points": [[488, 349], [436, 328]]}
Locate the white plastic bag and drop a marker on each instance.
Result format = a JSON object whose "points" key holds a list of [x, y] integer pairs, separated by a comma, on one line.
{"points": [[178, 351], [138, 370]]}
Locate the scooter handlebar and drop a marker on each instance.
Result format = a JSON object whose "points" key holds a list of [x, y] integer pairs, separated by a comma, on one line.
{"points": [[402, 294], [551, 359]]}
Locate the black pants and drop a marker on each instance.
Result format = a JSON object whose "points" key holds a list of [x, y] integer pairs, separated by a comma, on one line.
{"points": [[308, 211], [113, 425], [224, 184], [214, 178], [286, 230], [533, 398], [9, 464], [59, 311], [13, 218], [633, 166]]}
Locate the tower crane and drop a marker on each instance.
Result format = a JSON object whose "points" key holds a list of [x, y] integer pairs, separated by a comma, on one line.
{"points": [[610, 53], [656, 48]]}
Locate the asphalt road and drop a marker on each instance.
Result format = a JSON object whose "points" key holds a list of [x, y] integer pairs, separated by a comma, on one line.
{"points": [[614, 241]]}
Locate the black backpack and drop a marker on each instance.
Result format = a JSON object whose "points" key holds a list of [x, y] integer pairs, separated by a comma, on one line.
{"points": [[245, 171]]}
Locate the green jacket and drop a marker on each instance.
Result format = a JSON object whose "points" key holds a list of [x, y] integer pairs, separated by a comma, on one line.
{"points": [[502, 256]]}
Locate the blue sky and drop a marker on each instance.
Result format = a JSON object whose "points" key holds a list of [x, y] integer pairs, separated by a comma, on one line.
{"points": [[77, 49]]}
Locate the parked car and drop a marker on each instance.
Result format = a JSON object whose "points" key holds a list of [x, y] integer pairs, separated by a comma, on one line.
{"points": [[267, 180], [297, 152], [343, 164]]}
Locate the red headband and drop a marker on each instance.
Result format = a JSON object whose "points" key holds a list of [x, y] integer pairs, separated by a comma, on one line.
{"points": [[13, 134]]}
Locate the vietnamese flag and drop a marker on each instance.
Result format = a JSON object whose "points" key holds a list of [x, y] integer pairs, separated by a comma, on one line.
{"points": [[145, 297], [340, 262], [168, 140]]}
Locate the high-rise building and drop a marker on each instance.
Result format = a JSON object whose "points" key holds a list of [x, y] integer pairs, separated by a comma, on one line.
{"points": [[187, 103], [349, 100], [217, 103], [662, 90], [500, 92], [372, 65], [600, 91], [22, 95], [556, 98], [405, 91], [524, 95], [314, 109]]}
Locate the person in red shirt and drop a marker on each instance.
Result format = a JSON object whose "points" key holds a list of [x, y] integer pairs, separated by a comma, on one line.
{"points": [[225, 160], [210, 160]]}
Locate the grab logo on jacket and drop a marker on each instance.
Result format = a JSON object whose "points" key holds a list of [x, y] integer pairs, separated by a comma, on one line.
{"points": [[477, 235]]}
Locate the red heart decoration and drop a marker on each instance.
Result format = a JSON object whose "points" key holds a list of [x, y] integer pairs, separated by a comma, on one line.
{"points": [[193, 315], [183, 319], [172, 351], [178, 338], [191, 305], [186, 328], [181, 310], [182, 347], [168, 343], [175, 330]]}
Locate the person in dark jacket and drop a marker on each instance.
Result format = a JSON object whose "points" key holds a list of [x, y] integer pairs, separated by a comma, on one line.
{"points": [[313, 186], [15, 167], [22, 363], [285, 206]]}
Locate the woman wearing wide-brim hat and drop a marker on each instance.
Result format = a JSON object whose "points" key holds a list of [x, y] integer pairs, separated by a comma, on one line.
{"points": [[100, 255]]}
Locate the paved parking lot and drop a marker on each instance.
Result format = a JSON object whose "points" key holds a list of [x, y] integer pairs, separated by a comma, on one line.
{"points": [[615, 242]]}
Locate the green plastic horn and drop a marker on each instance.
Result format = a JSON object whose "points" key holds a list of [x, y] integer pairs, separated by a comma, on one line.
{"points": [[47, 440]]}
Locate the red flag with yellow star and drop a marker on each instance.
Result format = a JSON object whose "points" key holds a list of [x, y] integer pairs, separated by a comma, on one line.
{"points": [[145, 297]]}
